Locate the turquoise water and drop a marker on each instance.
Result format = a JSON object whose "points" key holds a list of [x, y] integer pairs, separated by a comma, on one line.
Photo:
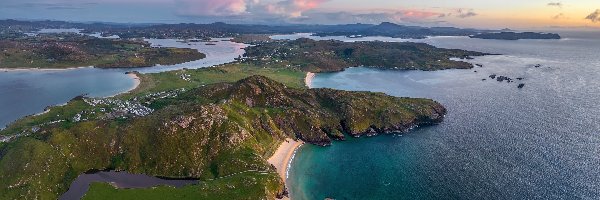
{"points": [[497, 142]]}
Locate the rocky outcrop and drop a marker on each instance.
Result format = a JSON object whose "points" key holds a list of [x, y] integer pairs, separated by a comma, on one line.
{"points": [[319, 115]]}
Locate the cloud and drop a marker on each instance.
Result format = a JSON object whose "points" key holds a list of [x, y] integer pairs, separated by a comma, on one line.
{"points": [[462, 13], [406, 16], [293, 8], [248, 8], [559, 16], [595, 16], [555, 4], [213, 7], [48, 5]]}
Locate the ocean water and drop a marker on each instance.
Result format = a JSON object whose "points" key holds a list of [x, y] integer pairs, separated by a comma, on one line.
{"points": [[28, 92], [497, 142]]}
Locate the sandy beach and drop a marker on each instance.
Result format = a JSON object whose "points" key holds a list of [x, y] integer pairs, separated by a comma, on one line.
{"points": [[136, 80], [308, 79], [136, 83], [284, 154]]}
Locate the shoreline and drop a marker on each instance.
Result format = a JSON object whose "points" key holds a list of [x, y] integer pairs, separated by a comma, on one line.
{"points": [[136, 82], [282, 158], [308, 79]]}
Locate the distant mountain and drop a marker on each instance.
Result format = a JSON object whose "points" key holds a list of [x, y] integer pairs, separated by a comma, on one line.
{"points": [[400, 31], [219, 29], [516, 36]]}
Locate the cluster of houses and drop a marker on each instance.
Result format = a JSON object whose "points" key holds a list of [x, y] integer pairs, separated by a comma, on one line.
{"points": [[118, 108], [111, 108]]}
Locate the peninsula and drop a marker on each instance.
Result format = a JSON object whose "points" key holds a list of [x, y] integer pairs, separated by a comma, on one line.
{"points": [[332, 55], [210, 132]]}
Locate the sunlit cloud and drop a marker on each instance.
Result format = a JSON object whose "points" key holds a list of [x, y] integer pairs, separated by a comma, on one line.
{"points": [[250, 8], [555, 4], [594, 17], [464, 13], [559, 16], [293, 8], [212, 7]]}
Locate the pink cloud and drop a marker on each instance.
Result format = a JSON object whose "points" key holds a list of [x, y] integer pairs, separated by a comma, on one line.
{"points": [[286, 8], [213, 7], [417, 14], [307, 4], [293, 8]]}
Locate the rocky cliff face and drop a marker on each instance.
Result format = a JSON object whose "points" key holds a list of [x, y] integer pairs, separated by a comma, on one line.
{"points": [[210, 132], [318, 115]]}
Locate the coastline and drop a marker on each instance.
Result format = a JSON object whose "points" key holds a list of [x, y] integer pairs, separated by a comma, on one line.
{"points": [[308, 79], [283, 157], [136, 82], [40, 69]]}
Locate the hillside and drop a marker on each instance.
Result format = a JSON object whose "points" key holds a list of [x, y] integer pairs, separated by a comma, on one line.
{"points": [[331, 55], [72, 50], [206, 133]]}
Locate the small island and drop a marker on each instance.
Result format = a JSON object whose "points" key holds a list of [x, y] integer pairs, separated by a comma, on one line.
{"points": [[57, 51], [517, 36]]}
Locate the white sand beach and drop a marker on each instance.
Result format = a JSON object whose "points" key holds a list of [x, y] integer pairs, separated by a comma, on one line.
{"points": [[136, 80], [308, 79], [282, 157]]}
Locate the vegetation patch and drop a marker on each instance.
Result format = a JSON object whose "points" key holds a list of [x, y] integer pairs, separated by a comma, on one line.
{"points": [[74, 50]]}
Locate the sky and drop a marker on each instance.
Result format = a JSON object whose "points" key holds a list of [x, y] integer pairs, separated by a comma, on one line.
{"points": [[460, 13]]}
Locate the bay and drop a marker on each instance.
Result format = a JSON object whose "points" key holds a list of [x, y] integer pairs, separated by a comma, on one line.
{"points": [[497, 142]]}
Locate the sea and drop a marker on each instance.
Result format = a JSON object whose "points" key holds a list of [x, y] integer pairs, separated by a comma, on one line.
{"points": [[497, 141]]}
